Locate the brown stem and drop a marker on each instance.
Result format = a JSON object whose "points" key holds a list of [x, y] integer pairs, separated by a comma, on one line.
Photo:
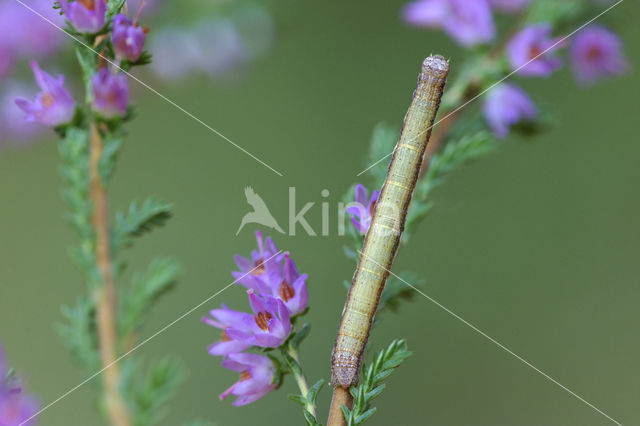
{"points": [[105, 295], [341, 396]]}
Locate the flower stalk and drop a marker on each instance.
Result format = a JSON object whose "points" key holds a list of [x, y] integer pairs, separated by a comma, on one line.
{"points": [[105, 294], [298, 375]]}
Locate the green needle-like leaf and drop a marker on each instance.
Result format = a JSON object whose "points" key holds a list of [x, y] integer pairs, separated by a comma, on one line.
{"points": [[371, 384]]}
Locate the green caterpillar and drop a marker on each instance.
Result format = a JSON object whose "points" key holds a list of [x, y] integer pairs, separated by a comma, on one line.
{"points": [[383, 236]]}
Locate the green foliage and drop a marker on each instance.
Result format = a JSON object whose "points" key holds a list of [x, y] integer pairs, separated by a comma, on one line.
{"points": [[395, 291], [148, 391], [145, 289], [455, 153], [79, 333], [88, 63], [383, 141], [107, 163], [139, 219], [371, 385], [555, 12], [114, 7], [74, 151], [307, 397], [465, 144]]}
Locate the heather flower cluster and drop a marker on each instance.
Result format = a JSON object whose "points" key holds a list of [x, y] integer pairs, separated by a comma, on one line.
{"points": [[16, 406], [216, 46], [277, 294], [25, 35], [54, 106], [595, 52]]}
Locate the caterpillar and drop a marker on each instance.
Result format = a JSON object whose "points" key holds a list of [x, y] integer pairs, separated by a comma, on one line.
{"points": [[382, 238]]}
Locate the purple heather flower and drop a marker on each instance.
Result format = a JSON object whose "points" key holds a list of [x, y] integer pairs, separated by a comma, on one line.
{"points": [[25, 34], [291, 287], [13, 127], [28, 33], [597, 52], [257, 374], [468, 22], [273, 276], [15, 405], [224, 319], [128, 38], [263, 268], [509, 5], [268, 328], [505, 105], [86, 16], [110, 93], [54, 105], [362, 208], [527, 51]]}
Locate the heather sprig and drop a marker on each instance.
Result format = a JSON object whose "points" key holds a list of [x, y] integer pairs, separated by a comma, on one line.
{"points": [[531, 47], [107, 321], [263, 345], [381, 367], [595, 52]]}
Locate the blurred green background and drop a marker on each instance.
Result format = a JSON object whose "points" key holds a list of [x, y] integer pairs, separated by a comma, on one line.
{"points": [[536, 245]]}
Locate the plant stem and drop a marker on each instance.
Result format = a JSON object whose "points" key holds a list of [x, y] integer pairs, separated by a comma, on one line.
{"points": [[341, 396], [300, 379], [105, 294]]}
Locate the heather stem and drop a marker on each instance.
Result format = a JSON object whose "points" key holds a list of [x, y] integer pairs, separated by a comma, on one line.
{"points": [[299, 377], [105, 294]]}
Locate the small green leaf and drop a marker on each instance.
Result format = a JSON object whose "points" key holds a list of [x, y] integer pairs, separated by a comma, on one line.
{"points": [[364, 416], [144, 291], [140, 219], [79, 333], [114, 7], [148, 391], [345, 412], [300, 335], [311, 420], [313, 391], [294, 367], [297, 398], [376, 391], [108, 160]]}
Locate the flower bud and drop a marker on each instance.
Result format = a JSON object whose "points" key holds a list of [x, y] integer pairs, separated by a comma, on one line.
{"points": [[53, 105], [86, 16], [110, 94], [128, 38]]}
